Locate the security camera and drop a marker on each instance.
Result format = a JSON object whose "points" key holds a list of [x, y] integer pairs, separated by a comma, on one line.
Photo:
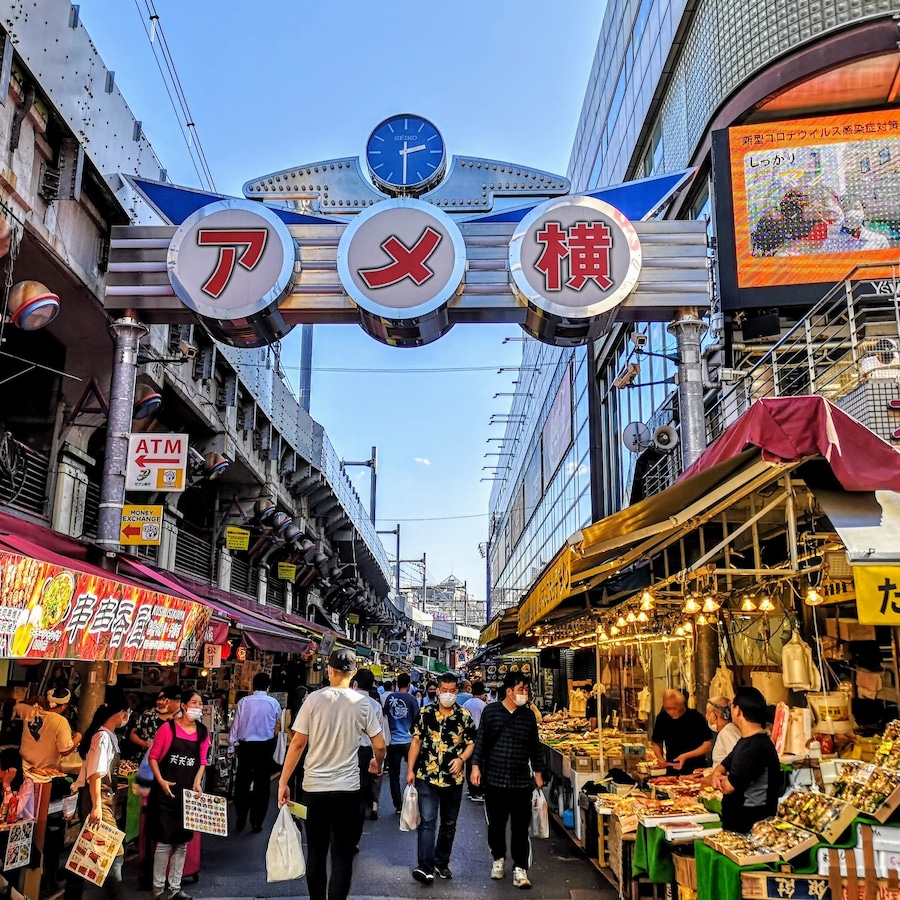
{"points": [[639, 340], [188, 349]]}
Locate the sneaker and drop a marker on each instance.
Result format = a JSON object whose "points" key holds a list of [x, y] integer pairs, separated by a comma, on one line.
{"points": [[520, 878], [180, 895], [476, 798], [443, 871], [497, 868], [421, 875]]}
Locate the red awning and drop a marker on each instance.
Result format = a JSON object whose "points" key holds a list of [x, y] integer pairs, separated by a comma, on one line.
{"points": [[789, 429], [261, 630]]}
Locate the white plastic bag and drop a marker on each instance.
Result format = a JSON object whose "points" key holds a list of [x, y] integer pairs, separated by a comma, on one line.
{"points": [[280, 749], [540, 815], [284, 855], [409, 812]]}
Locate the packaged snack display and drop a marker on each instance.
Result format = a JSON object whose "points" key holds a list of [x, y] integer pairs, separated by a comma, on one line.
{"points": [[871, 789], [824, 815], [741, 848]]}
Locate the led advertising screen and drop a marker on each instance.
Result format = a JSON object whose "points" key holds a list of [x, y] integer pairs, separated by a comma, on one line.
{"points": [[813, 198]]}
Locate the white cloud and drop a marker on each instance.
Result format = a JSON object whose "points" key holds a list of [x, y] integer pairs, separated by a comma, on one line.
{"points": [[422, 460]]}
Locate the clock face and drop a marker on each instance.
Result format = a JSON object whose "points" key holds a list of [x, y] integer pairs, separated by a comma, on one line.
{"points": [[406, 154]]}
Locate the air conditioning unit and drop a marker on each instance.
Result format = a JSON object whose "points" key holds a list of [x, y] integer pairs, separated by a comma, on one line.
{"points": [[879, 357]]}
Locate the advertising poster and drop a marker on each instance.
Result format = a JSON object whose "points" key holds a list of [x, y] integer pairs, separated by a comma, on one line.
{"points": [[57, 613], [205, 812], [94, 852], [813, 198], [557, 434], [18, 847]]}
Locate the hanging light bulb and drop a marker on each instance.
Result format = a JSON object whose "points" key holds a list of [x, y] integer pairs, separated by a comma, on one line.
{"points": [[642, 617], [710, 604], [702, 620], [691, 606], [679, 631], [747, 605], [813, 597], [648, 604], [620, 622], [688, 628], [614, 630], [767, 604], [604, 636], [631, 618]]}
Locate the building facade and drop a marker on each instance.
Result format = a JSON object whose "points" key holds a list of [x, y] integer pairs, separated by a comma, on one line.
{"points": [[679, 85]]}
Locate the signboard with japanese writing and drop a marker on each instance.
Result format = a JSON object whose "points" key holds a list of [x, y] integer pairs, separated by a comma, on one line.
{"points": [[156, 462], [548, 593], [575, 258], [813, 197], [141, 525], [94, 851], [557, 434], [56, 613], [237, 538], [286, 571], [212, 656], [877, 594]]}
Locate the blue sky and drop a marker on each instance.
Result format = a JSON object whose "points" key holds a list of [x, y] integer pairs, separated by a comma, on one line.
{"points": [[277, 83]]}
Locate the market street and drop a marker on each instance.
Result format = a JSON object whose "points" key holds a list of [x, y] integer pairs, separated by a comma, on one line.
{"points": [[235, 867]]}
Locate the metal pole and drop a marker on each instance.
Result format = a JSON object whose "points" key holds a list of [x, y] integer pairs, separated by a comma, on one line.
{"points": [[688, 329], [487, 577], [397, 575], [374, 470], [465, 603], [306, 348], [128, 333], [424, 584]]}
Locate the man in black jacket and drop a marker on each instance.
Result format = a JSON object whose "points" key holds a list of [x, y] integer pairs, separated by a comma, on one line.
{"points": [[506, 763]]}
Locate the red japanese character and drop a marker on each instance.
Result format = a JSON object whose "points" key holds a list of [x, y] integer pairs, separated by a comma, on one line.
{"points": [[589, 246], [555, 251]]}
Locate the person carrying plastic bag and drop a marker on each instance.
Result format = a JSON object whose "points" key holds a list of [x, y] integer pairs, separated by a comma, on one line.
{"points": [[284, 855], [328, 726], [409, 811]]}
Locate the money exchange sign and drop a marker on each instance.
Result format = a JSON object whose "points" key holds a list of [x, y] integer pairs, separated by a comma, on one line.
{"points": [[49, 612]]}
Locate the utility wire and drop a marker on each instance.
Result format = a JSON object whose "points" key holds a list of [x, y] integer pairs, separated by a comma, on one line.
{"points": [[173, 82]]}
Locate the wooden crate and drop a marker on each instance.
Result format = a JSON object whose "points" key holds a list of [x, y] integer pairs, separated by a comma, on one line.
{"points": [[603, 821], [777, 886]]}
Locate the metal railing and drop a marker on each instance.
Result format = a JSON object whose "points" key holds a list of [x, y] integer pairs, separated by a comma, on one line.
{"points": [[851, 336]]}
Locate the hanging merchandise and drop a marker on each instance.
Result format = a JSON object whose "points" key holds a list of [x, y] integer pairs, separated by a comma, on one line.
{"points": [[798, 669], [722, 684], [770, 685], [645, 702]]}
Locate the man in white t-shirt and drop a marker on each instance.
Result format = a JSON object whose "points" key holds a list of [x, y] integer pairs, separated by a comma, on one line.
{"points": [[329, 726]]}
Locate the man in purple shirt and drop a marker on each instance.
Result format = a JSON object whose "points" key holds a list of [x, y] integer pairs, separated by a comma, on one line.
{"points": [[253, 730]]}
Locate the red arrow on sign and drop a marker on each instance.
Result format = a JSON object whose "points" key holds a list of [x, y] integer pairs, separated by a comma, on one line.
{"points": [[142, 461], [131, 530]]}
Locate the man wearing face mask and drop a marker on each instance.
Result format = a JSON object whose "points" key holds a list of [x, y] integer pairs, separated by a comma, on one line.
{"points": [[431, 691], [718, 717], [443, 739], [507, 762]]}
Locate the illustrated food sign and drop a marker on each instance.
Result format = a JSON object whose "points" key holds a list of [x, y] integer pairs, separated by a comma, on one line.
{"points": [[56, 613], [815, 197]]}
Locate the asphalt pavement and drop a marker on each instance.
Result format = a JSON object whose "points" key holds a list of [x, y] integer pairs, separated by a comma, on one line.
{"points": [[234, 868]]}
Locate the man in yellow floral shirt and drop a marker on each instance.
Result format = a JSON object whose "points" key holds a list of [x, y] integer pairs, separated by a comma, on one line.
{"points": [[443, 738]]}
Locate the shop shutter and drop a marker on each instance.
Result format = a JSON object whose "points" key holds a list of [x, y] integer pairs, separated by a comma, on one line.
{"points": [[275, 592]]}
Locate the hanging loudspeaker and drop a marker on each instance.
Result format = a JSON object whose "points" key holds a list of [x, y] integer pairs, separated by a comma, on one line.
{"points": [[665, 438]]}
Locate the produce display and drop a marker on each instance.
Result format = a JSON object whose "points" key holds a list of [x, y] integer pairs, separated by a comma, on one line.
{"points": [[768, 841], [866, 786]]}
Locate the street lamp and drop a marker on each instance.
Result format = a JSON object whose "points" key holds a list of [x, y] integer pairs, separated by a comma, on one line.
{"points": [[369, 464]]}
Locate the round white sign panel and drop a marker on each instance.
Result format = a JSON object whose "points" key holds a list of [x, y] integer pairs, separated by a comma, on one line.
{"points": [[231, 260], [401, 259], [575, 258]]}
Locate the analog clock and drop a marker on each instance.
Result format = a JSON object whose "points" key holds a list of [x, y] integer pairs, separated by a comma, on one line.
{"points": [[406, 155]]}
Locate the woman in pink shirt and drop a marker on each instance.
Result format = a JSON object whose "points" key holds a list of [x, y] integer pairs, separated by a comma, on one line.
{"points": [[178, 759]]}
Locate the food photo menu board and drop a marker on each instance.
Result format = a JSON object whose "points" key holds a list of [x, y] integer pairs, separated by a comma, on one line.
{"points": [[94, 851]]}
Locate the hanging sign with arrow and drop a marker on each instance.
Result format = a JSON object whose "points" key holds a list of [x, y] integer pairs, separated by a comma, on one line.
{"points": [[141, 525], [156, 462]]}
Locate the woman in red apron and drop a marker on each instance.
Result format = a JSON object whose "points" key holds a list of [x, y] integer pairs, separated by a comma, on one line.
{"points": [[178, 760]]}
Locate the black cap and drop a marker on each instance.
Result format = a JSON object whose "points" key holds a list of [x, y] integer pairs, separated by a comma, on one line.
{"points": [[342, 659], [172, 692]]}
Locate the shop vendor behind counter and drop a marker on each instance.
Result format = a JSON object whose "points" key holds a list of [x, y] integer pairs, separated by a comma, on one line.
{"points": [[682, 733]]}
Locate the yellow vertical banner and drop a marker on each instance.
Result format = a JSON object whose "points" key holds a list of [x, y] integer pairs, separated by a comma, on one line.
{"points": [[877, 594]]}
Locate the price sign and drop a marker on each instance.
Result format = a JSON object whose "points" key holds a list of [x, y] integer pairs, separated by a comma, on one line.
{"points": [[353, 619], [877, 594], [237, 538]]}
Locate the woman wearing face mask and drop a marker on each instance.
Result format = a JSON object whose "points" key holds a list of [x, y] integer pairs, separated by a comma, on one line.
{"points": [[97, 783], [178, 759], [718, 717]]}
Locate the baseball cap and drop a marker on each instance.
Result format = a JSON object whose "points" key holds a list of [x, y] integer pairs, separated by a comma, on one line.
{"points": [[342, 659], [172, 692], [58, 697]]}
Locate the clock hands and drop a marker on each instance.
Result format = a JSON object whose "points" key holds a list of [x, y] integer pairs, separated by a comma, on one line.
{"points": [[405, 153]]}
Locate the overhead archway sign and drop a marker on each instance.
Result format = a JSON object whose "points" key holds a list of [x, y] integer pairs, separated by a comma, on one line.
{"points": [[410, 251]]}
